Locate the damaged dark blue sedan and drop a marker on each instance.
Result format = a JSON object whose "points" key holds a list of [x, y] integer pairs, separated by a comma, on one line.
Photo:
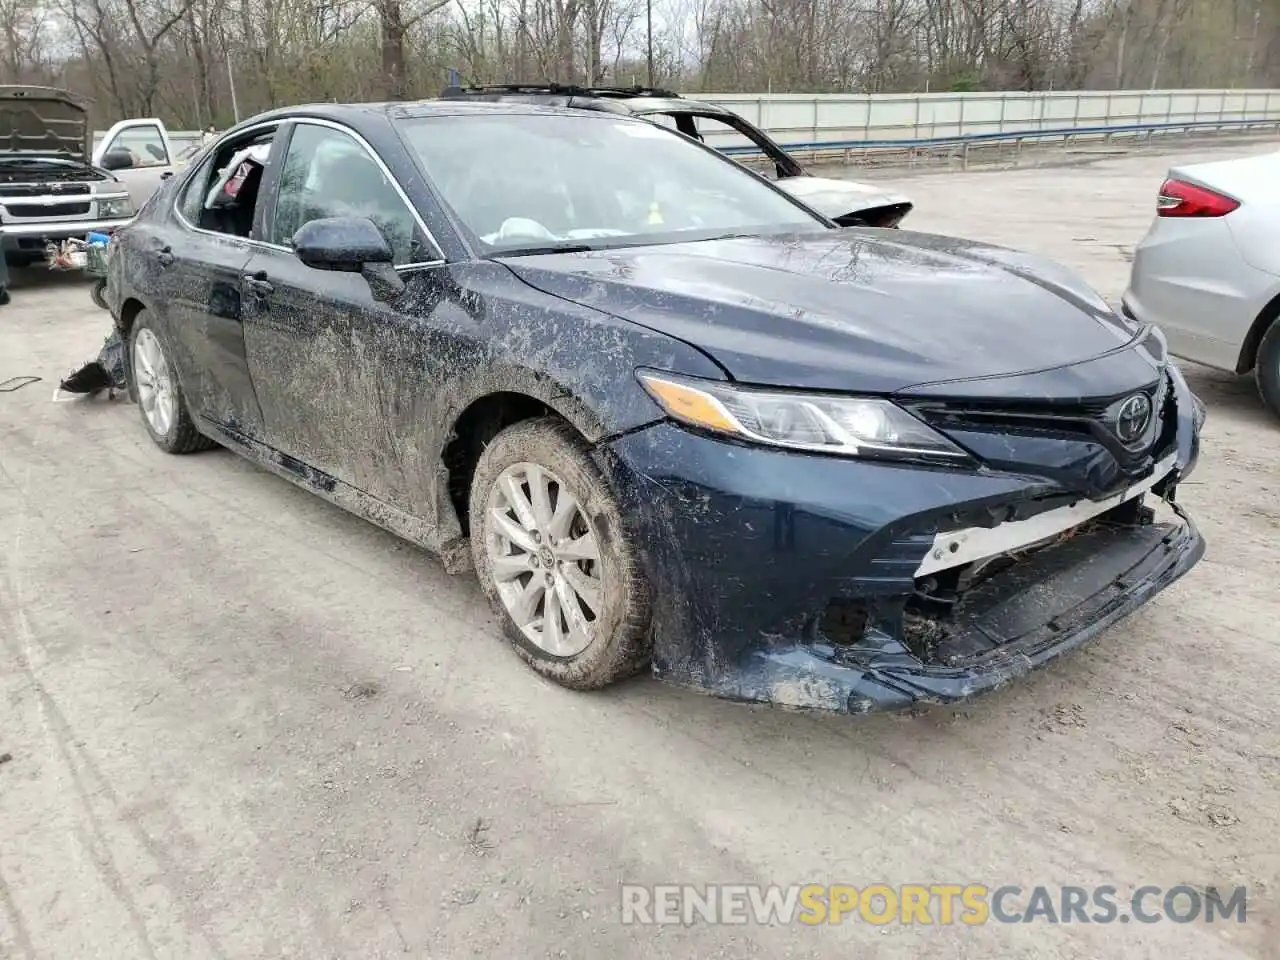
{"points": [[673, 418]]}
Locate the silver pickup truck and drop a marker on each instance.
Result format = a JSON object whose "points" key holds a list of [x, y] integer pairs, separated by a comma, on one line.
{"points": [[54, 184]]}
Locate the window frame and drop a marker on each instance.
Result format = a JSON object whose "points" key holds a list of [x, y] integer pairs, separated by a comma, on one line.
{"points": [[786, 165], [187, 188], [268, 219], [264, 214], [249, 133]]}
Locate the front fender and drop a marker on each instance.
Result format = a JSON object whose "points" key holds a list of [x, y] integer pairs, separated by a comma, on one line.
{"points": [[576, 359]]}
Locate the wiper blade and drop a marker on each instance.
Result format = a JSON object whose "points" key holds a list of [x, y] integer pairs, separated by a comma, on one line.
{"points": [[547, 248]]}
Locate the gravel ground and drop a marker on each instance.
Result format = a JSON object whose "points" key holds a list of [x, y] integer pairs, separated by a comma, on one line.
{"points": [[245, 724]]}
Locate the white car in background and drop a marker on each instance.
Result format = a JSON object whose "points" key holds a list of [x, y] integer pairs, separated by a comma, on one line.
{"points": [[1208, 271], [138, 152]]}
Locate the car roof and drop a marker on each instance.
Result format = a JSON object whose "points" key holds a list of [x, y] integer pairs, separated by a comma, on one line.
{"points": [[637, 100], [555, 90], [448, 108], [353, 113], [645, 105]]}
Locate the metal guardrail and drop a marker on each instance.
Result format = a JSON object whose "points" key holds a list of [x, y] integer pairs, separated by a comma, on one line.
{"points": [[814, 118], [816, 147], [846, 147], [827, 117]]}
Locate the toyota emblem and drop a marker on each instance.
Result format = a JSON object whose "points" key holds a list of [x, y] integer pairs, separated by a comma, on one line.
{"points": [[1133, 417]]}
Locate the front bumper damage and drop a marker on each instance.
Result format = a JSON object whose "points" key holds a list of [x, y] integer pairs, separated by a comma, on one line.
{"points": [[815, 582]]}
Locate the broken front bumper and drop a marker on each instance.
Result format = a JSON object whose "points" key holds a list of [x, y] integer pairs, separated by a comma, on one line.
{"points": [[789, 579]]}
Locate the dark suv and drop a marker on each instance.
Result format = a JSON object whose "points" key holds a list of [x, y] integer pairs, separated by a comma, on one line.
{"points": [[846, 202]]}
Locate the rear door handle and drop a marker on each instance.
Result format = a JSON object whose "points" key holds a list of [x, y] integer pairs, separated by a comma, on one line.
{"points": [[165, 256]]}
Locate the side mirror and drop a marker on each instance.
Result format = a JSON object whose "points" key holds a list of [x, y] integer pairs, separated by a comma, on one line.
{"points": [[350, 245], [117, 160]]}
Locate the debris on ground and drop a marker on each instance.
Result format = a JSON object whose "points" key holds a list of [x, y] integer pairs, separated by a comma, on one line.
{"points": [[478, 840], [1062, 715], [362, 690], [1222, 818], [1216, 815], [17, 383]]}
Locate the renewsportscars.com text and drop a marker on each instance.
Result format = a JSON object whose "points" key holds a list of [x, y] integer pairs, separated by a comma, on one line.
{"points": [[943, 904]]}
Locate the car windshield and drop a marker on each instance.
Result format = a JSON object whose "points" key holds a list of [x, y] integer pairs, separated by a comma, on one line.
{"points": [[523, 181]]}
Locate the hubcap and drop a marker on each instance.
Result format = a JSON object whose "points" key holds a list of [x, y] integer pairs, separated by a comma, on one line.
{"points": [[154, 382], [545, 559]]}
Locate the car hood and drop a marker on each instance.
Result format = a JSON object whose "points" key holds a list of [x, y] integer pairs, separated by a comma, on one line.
{"points": [[861, 310], [43, 122], [838, 198]]}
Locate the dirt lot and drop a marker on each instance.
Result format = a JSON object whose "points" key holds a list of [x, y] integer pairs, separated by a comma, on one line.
{"points": [[244, 724]]}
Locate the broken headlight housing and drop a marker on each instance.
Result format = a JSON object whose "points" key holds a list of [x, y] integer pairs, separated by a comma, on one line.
{"points": [[814, 422]]}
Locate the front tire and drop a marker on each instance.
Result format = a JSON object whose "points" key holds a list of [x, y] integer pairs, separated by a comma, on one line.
{"points": [[160, 399], [1267, 369], [555, 559]]}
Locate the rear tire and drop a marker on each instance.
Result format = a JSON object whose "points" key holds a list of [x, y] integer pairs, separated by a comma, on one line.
{"points": [[1267, 368], [555, 559], [98, 294], [160, 399]]}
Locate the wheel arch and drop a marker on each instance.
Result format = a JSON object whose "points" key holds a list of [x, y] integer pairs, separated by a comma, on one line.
{"points": [[130, 310], [500, 402], [1261, 324]]}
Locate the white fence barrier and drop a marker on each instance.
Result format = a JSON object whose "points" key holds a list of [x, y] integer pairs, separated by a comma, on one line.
{"points": [[806, 118], [876, 118]]}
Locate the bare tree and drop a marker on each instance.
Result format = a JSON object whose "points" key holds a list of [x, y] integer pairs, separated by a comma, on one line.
{"points": [[178, 57], [394, 24], [23, 36]]}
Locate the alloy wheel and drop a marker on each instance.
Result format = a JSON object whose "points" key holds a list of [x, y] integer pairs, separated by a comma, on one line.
{"points": [[154, 382], [545, 559]]}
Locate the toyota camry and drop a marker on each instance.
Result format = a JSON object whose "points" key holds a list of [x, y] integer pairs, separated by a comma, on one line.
{"points": [[673, 419]]}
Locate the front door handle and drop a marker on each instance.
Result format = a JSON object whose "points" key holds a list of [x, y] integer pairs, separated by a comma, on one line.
{"points": [[258, 284], [165, 256]]}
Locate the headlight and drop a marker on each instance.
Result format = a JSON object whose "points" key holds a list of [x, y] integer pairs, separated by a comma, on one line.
{"points": [[115, 208], [851, 426]]}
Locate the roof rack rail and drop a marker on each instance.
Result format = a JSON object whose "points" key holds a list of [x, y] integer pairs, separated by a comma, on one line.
{"points": [[555, 89]]}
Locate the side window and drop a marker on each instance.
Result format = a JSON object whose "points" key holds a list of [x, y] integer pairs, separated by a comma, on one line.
{"points": [[222, 194], [327, 173], [192, 199], [144, 144]]}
